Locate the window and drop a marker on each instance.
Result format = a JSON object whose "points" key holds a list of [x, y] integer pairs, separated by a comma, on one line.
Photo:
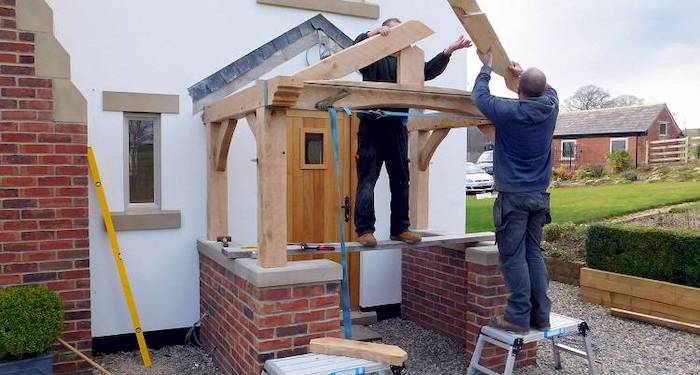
{"points": [[663, 128], [314, 154], [618, 144], [568, 149], [142, 164]]}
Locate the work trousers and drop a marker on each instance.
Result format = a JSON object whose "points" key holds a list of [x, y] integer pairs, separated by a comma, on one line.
{"points": [[519, 219], [382, 141]]}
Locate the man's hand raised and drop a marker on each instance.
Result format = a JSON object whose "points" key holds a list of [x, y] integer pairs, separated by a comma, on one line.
{"points": [[486, 57], [460, 43], [515, 68], [383, 30]]}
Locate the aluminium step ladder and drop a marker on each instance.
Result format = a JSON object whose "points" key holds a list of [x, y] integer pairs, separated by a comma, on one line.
{"points": [[322, 364], [513, 343]]}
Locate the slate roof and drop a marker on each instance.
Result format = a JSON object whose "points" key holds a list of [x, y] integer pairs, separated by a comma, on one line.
{"points": [[248, 62], [634, 119]]}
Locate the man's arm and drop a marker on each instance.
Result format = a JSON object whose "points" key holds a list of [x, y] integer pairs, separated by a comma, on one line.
{"points": [[437, 65], [481, 94]]}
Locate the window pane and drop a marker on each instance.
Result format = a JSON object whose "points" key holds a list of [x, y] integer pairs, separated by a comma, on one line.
{"points": [[662, 129], [313, 146], [618, 145], [141, 161], [568, 149]]}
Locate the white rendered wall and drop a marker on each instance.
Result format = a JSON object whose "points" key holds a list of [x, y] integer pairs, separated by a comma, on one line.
{"points": [[165, 46]]}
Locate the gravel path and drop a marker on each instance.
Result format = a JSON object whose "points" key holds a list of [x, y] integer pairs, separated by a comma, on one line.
{"points": [[621, 346], [171, 360]]}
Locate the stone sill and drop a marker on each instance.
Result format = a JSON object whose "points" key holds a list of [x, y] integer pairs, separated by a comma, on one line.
{"points": [[145, 220]]}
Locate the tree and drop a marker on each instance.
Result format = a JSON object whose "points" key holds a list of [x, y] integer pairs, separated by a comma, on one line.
{"points": [[593, 97], [588, 97], [624, 101]]}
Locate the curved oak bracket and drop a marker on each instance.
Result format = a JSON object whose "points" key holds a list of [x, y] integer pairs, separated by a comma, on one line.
{"points": [[223, 143], [428, 149]]}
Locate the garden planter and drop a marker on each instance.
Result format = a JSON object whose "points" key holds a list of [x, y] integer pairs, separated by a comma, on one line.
{"points": [[563, 271], [29, 366]]}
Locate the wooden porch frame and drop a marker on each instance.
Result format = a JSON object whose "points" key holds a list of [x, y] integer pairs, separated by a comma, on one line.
{"points": [[265, 105]]}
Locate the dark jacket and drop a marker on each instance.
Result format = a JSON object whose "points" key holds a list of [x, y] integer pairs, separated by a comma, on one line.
{"points": [[524, 129], [384, 70]]}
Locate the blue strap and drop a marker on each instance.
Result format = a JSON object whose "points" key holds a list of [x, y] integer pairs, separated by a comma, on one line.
{"points": [[344, 288]]}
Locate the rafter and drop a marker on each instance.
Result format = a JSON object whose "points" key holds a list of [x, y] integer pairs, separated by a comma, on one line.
{"points": [[483, 35], [366, 52]]}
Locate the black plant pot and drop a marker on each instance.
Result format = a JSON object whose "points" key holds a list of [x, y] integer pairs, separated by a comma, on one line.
{"points": [[40, 365]]}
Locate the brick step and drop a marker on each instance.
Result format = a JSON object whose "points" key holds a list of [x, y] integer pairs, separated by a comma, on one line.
{"points": [[362, 333], [363, 318]]}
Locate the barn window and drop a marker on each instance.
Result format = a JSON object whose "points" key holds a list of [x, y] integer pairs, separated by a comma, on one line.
{"points": [[142, 164], [663, 128], [618, 144], [568, 149]]}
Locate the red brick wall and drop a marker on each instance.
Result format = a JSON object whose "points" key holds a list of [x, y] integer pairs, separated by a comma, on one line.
{"points": [[43, 190], [246, 325], [443, 292], [673, 130], [595, 150]]}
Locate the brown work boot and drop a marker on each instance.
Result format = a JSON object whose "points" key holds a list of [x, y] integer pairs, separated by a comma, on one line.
{"points": [[501, 323], [408, 237], [367, 240]]}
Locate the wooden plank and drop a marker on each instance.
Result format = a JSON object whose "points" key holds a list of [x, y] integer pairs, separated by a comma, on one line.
{"points": [[426, 153], [483, 35], [659, 291], [410, 72], [675, 140], [383, 353], [433, 123], [223, 143], [665, 160], [655, 320], [217, 188], [272, 187], [366, 52], [680, 153], [640, 305], [236, 106]]}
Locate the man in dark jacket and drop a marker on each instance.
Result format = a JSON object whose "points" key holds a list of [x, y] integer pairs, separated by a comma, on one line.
{"points": [[522, 169], [385, 140]]}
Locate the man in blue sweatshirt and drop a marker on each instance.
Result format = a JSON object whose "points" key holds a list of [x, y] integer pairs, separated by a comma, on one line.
{"points": [[522, 169]]}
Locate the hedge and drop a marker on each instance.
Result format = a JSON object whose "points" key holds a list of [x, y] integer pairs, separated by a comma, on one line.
{"points": [[652, 253]]}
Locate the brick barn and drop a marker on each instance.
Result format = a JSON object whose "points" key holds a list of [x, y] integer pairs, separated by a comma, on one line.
{"points": [[587, 137]]}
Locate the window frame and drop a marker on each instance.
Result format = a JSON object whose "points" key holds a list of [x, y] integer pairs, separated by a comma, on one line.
{"points": [[665, 133], [302, 148], [561, 154], [619, 139], [156, 205]]}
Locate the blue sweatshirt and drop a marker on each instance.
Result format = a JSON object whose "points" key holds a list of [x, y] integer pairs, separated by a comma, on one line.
{"points": [[522, 159]]}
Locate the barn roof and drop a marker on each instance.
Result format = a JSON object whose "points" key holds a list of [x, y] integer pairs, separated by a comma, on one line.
{"points": [[634, 119]]}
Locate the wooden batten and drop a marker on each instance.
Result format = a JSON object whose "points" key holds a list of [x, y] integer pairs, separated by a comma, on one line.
{"points": [[217, 188], [271, 140]]}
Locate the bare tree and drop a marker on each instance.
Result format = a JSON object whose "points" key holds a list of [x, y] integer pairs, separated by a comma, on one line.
{"points": [[588, 97], [625, 101]]}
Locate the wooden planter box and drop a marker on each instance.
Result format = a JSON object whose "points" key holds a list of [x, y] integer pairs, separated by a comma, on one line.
{"points": [[563, 271], [646, 296]]}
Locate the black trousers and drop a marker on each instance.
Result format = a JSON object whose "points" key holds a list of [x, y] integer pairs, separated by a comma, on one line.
{"points": [[382, 141]]}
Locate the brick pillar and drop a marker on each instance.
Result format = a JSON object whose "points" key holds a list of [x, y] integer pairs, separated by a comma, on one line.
{"points": [[43, 189], [455, 292], [253, 314]]}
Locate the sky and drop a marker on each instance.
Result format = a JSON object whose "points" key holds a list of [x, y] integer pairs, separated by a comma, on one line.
{"points": [[646, 48]]}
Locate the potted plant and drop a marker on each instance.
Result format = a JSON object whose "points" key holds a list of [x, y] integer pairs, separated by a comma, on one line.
{"points": [[31, 319]]}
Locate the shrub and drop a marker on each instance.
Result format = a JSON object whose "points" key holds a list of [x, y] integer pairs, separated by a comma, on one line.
{"points": [[593, 170], [619, 161], [561, 173], [31, 319], [564, 231], [653, 253], [696, 152], [630, 176]]}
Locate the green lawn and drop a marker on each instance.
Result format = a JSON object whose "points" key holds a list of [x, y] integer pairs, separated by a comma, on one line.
{"points": [[591, 203]]}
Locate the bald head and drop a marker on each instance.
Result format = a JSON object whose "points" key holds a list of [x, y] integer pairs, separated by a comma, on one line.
{"points": [[532, 83]]}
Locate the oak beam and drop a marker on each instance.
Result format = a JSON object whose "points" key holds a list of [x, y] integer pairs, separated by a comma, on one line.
{"points": [[223, 143], [217, 188], [434, 123], [366, 52], [410, 71], [483, 35], [272, 186], [428, 149]]}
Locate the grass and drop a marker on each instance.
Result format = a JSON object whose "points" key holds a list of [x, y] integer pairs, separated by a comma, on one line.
{"points": [[592, 203]]}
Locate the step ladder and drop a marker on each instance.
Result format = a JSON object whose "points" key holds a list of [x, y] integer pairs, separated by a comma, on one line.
{"points": [[513, 343], [321, 364]]}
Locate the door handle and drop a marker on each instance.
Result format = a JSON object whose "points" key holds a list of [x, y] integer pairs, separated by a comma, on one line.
{"points": [[346, 207]]}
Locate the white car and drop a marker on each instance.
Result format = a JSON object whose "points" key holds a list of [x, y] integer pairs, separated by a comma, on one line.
{"points": [[477, 180]]}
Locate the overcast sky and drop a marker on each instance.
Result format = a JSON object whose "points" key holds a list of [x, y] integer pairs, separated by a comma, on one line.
{"points": [[646, 48]]}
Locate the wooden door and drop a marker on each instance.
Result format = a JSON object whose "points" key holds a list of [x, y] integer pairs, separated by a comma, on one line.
{"points": [[313, 206]]}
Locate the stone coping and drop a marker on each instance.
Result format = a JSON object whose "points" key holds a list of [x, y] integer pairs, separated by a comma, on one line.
{"points": [[296, 272]]}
